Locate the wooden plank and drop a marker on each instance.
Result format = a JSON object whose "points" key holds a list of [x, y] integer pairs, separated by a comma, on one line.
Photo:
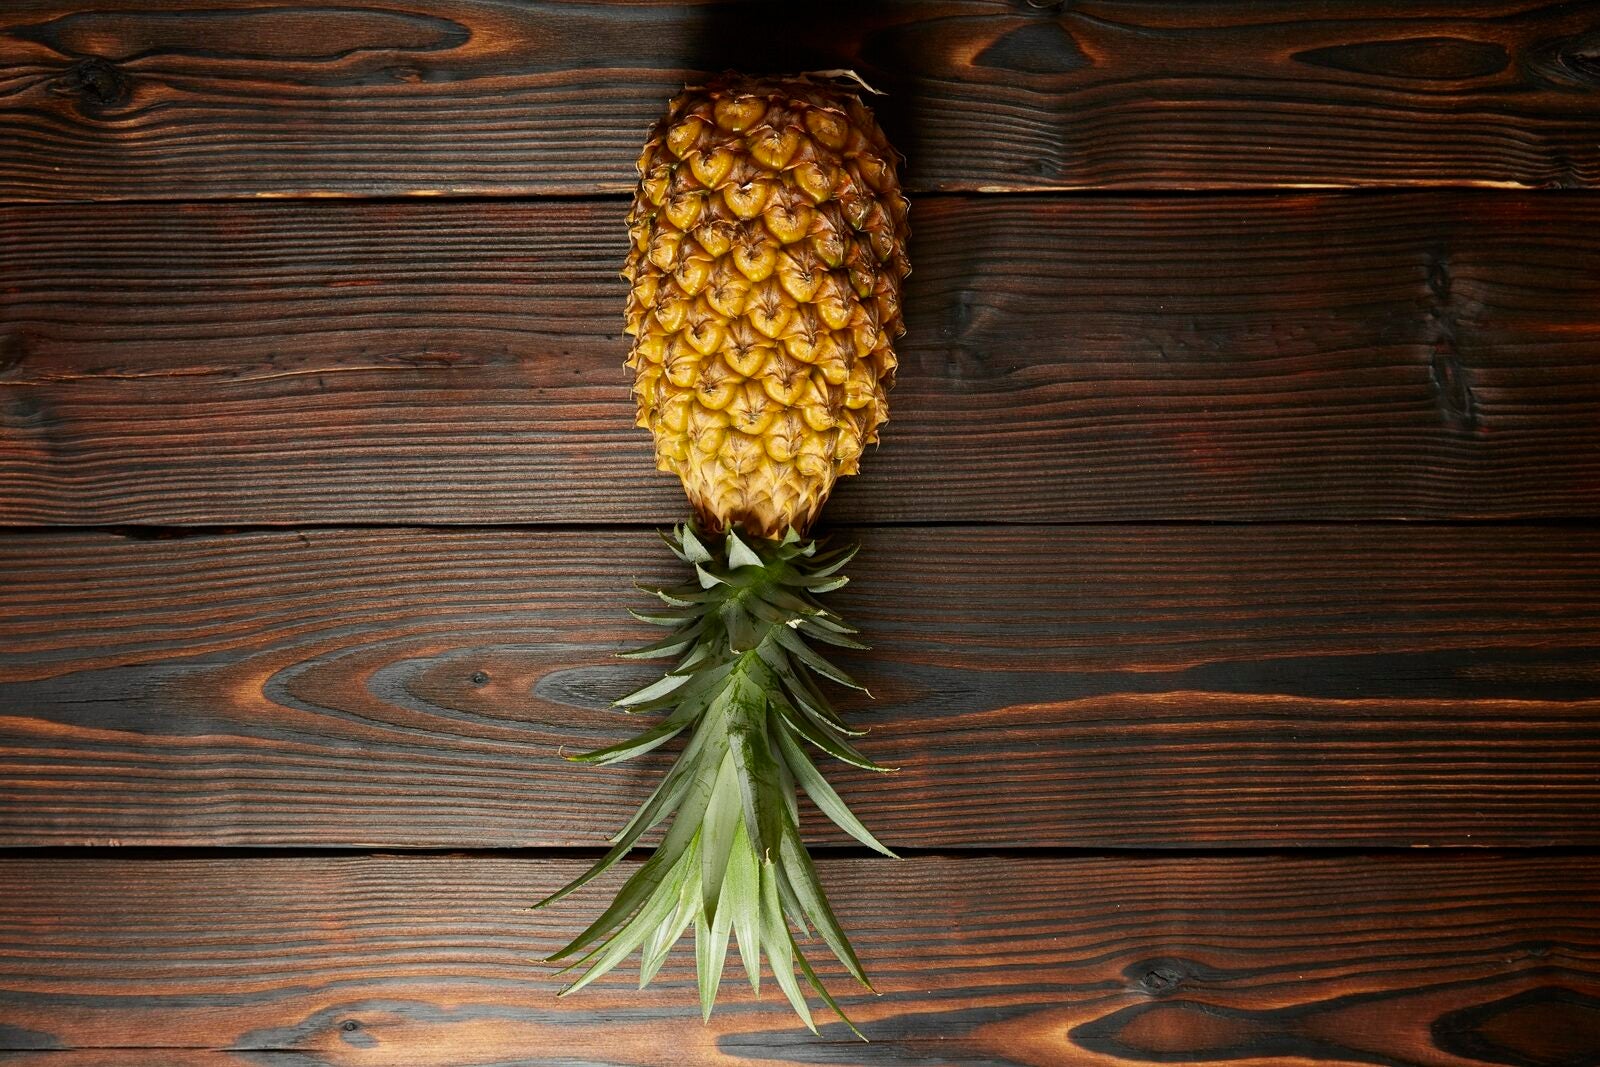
{"points": [[1396, 959], [111, 99], [1406, 355], [1140, 686]]}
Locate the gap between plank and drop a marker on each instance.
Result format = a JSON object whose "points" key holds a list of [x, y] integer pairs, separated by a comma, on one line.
{"points": [[173, 532], [588, 853], [623, 196]]}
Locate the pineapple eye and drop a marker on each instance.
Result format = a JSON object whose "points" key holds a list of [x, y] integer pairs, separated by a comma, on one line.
{"points": [[871, 169], [674, 412], [682, 362], [683, 207], [834, 368], [788, 222], [819, 417], [669, 451], [739, 113], [710, 169], [694, 271], [715, 236], [785, 437], [828, 127], [749, 411], [833, 300], [879, 232], [773, 148], [655, 184], [768, 311], [786, 379], [800, 273], [683, 137], [706, 336], [816, 180], [861, 387], [848, 445], [728, 294], [747, 359], [670, 311], [746, 199], [754, 255], [856, 204], [664, 248], [741, 454]]}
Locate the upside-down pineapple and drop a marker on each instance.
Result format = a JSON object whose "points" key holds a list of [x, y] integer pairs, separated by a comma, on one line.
{"points": [[768, 248]]}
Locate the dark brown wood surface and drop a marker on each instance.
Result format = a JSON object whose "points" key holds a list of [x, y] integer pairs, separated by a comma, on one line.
{"points": [[123, 99], [1429, 959], [1131, 686], [1234, 536], [1418, 355]]}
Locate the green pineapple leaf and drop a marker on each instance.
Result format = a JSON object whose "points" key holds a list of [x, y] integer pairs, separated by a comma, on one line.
{"points": [[824, 797], [693, 550], [731, 864], [780, 945], [723, 816], [741, 900], [825, 740], [804, 653], [803, 876], [740, 554], [822, 991], [670, 645]]}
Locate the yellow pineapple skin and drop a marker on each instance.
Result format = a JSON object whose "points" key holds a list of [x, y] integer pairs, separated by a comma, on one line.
{"points": [[767, 250]]}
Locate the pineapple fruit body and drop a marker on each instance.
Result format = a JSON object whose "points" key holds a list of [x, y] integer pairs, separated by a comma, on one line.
{"points": [[767, 251]]}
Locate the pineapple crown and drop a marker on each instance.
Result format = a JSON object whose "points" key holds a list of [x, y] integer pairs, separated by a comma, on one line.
{"points": [[732, 862]]}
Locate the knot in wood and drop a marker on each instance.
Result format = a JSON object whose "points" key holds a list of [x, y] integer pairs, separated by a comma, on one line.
{"points": [[97, 83], [1161, 981], [1161, 977]]}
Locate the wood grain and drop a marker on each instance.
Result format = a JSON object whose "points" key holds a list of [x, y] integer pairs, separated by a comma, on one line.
{"points": [[1137, 686], [1417, 960], [1403, 355], [106, 99]]}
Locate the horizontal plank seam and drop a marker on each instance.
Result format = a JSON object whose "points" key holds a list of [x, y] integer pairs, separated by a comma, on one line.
{"points": [[588, 854], [974, 195], [175, 532]]}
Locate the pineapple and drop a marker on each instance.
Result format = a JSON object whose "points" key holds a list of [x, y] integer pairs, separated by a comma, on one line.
{"points": [[768, 249]]}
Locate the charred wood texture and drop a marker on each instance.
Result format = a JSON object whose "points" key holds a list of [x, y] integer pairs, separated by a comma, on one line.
{"points": [[1306, 357], [1231, 560], [242, 98], [1399, 959], [1134, 686]]}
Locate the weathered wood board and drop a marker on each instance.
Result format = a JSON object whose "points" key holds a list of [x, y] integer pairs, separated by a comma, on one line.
{"points": [[1307, 357], [119, 100], [1130, 686]]}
